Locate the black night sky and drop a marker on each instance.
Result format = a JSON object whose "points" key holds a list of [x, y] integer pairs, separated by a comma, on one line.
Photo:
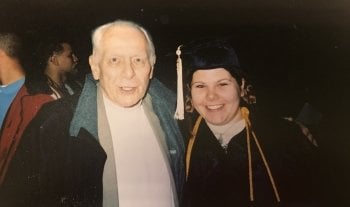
{"points": [[295, 51]]}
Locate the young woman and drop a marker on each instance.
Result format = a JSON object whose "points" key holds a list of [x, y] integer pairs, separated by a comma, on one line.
{"points": [[232, 158]]}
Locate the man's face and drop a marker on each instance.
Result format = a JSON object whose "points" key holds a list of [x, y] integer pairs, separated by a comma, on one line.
{"points": [[121, 64], [67, 59]]}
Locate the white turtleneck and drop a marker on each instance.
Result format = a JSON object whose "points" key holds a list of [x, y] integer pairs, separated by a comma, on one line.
{"points": [[225, 132], [142, 174]]}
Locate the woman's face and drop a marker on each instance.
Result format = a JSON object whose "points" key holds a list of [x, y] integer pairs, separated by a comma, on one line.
{"points": [[216, 95]]}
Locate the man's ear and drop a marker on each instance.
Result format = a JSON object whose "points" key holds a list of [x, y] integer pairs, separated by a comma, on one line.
{"points": [[151, 73], [53, 60], [94, 67], [153, 62]]}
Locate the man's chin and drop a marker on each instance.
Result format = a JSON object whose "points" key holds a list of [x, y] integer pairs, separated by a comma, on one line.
{"points": [[130, 105]]}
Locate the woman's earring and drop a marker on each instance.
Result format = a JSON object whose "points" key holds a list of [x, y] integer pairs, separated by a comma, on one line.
{"points": [[189, 105], [243, 90]]}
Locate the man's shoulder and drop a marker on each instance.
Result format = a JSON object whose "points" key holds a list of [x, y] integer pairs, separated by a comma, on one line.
{"points": [[158, 90]]}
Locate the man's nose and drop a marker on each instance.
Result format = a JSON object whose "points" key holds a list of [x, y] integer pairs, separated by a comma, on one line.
{"points": [[128, 70]]}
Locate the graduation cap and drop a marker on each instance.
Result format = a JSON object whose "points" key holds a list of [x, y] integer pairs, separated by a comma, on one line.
{"points": [[201, 55]]}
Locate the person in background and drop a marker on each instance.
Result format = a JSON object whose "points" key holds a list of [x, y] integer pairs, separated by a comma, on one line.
{"points": [[11, 71], [58, 61], [20, 101], [234, 157]]}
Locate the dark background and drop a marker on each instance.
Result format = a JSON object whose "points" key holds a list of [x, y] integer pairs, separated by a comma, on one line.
{"points": [[295, 51], [294, 48]]}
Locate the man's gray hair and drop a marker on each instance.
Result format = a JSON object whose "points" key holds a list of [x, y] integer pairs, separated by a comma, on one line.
{"points": [[10, 43], [99, 31]]}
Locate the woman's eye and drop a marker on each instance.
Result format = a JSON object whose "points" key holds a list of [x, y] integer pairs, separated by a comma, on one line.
{"points": [[223, 84], [198, 86]]}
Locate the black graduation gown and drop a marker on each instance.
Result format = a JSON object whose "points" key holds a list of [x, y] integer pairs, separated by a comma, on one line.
{"points": [[219, 177]]}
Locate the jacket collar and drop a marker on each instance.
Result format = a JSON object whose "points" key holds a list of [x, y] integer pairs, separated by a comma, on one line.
{"points": [[85, 115]]}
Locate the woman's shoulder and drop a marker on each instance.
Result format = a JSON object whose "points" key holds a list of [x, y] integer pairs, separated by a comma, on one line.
{"points": [[283, 136]]}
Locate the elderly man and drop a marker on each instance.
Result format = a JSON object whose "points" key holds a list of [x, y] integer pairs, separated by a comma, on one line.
{"points": [[125, 147], [132, 122]]}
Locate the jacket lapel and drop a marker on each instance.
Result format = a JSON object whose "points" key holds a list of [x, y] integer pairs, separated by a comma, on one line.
{"points": [[110, 186]]}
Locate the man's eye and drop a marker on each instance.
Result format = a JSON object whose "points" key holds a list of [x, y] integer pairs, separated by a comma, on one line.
{"points": [[114, 60], [139, 62]]}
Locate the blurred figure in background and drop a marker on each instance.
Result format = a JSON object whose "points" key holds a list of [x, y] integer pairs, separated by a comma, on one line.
{"points": [[11, 71], [57, 60], [20, 100]]}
